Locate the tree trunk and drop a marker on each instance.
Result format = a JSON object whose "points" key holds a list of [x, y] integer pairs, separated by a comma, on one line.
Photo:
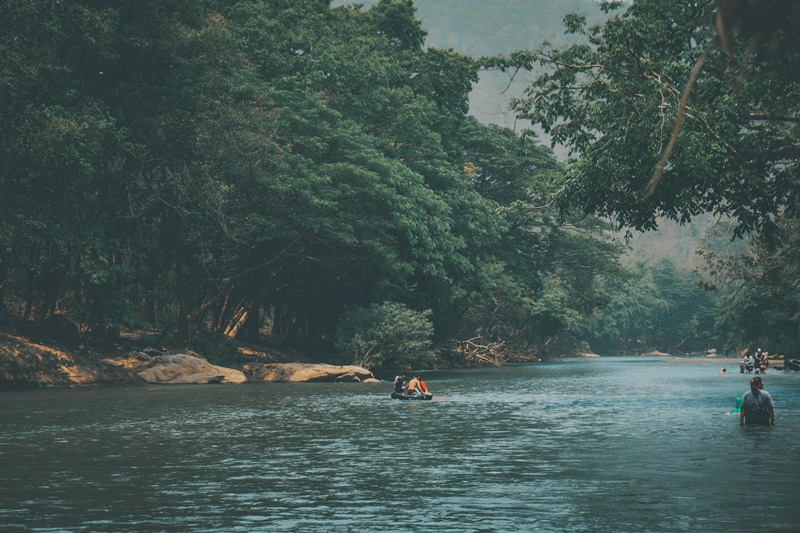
{"points": [[3, 284], [236, 323], [252, 327], [150, 305], [185, 327], [30, 293], [189, 320], [46, 306]]}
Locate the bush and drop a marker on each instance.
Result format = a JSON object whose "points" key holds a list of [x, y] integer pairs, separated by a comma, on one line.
{"points": [[387, 334]]}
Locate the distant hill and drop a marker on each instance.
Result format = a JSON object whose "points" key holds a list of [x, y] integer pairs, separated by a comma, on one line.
{"points": [[680, 242]]}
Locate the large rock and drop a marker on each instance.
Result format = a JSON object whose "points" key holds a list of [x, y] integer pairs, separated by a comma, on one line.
{"points": [[184, 368], [306, 372]]}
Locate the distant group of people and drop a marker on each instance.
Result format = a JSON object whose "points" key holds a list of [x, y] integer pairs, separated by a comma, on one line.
{"points": [[758, 362], [415, 385]]}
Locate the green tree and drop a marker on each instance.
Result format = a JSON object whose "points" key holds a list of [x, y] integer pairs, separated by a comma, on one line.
{"points": [[57, 153], [669, 116], [657, 306], [370, 225], [388, 334], [249, 166], [539, 277], [759, 288]]}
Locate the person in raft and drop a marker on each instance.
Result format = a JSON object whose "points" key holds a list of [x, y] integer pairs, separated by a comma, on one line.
{"points": [[757, 408], [422, 386], [400, 382], [412, 387]]}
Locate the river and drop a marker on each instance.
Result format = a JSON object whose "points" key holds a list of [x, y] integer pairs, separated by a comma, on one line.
{"points": [[607, 444]]}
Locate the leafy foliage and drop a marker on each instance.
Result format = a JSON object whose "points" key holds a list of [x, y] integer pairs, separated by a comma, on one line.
{"points": [[254, 167], [658, 306], [760, 289], [662, 67], [387, 334]]}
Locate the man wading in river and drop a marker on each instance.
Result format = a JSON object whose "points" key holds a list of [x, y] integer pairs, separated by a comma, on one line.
{"points": [[757, 406]]}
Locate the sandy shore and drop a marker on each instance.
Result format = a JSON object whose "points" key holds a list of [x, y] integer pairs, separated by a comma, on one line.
{"points": [[731, 364], [710, 360]]}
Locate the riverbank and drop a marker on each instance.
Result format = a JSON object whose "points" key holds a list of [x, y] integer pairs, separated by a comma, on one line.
{"points": [[731, 364], [730, 361], [31, 363]]}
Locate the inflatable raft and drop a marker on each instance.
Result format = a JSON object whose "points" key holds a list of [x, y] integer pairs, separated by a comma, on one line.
{"points": [[401, 396]]}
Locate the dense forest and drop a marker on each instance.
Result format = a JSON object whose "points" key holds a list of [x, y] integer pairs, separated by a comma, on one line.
{"points": [[308, 174], [284, 170], [676, 111]]}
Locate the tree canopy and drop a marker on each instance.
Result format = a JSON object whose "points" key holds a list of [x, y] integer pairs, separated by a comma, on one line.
{"points": [[673, 109], [759, 288], [251, 167]]}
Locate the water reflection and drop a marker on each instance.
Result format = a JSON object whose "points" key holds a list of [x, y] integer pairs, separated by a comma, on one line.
{"points": [[613, 444]]}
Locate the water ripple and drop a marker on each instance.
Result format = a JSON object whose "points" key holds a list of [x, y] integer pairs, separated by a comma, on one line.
{"points": [[597, 445]]}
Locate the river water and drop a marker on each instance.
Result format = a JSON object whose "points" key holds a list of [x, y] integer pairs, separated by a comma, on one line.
{"points": [[608, 444]]}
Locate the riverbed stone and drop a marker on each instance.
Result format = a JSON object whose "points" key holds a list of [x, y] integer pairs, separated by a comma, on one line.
{"points": [[306, 372], [185, 368]]}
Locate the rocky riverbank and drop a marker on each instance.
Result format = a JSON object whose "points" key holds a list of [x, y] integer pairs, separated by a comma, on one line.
{"points": [[135, 359], [139, 358]]}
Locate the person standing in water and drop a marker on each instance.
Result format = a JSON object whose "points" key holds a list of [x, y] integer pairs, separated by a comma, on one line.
{"points": [[757, 407], [748, 363], [761, 361]]}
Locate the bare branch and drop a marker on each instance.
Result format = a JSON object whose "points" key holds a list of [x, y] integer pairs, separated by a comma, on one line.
{"points": [[657, 175]]}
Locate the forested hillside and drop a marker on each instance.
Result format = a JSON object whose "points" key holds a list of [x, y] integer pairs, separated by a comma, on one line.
{"points": [[641, 312], [677, 111], [321, 176], [582, 74], [285, 170]]}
